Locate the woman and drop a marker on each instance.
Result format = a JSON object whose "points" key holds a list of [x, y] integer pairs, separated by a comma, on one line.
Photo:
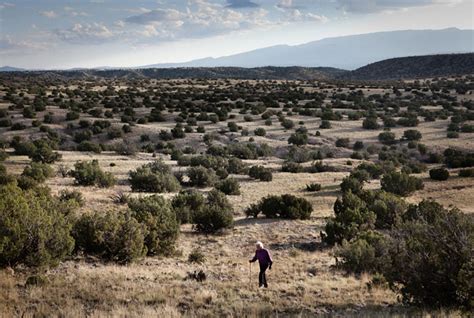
{"points": [[265, 261]]}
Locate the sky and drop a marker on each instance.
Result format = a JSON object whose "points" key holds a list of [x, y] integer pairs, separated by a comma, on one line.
{"points": [[53, 34]]}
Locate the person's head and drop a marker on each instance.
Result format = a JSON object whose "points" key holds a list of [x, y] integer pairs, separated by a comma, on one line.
{"points": [[259, 245]]}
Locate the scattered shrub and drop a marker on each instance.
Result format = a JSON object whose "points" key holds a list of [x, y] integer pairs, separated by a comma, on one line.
{"points": [[159, 219], [401, 183], [439, 174], [313, 187], [34, 229], [185, 204], [215, 215], [113, 236], [229, 186], [261, 173], [201, 177], [286, 206], [466, 173], [153, 177], [387, 137], [196, 256], [87, 173]]}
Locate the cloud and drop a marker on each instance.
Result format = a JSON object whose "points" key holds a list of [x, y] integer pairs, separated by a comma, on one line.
{"points": [[240, 4], [94, 33], [5, 5], [49, 14], [8, 45], [201, 19], [285, 4], [156, 16], [71, 11], [371, 6]]}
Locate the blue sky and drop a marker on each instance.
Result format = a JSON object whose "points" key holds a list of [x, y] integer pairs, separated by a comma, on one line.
{"points": [[90, 33]]}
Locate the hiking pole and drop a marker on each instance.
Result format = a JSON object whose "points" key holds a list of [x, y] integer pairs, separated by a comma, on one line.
{"points": [[250, 275]]}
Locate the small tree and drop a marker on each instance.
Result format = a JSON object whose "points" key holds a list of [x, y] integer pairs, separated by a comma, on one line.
{"points": [[229, 186], [87, 173], [113, 236], [387, 137], [412, 134], [401, 183], [162, 228], [217, 214], [439, 174], [34, 229]]}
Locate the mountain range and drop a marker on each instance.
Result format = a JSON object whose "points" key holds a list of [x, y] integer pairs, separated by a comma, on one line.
{"points": [[344, 52], [442, 65]]}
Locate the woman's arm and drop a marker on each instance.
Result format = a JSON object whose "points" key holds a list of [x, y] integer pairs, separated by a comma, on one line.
{"points": [[254, 258]]}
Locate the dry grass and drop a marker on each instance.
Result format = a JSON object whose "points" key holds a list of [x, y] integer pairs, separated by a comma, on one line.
{"points": [[303, 281]]}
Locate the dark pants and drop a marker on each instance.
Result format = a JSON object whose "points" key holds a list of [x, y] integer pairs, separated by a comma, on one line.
{"points": [[262, 279]]}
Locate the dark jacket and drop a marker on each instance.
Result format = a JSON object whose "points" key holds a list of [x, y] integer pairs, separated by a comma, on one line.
{"points": [[263, 256]]}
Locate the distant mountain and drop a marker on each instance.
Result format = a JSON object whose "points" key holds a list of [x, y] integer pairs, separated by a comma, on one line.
{"points": [[269, 72], [415, 67], [346, 52], [11, 69], [391, 69]]}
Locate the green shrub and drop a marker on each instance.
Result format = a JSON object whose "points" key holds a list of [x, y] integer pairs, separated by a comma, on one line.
{"points": [[38, 171], [401, 183], [229, 186], [201, 177], [292, 167], [352, 216], [216, 214], [351, 184], [432, 256], [89, 146], [260, 132], [439, 174], [112, 236], [313, 187], [43, 152], [236, 166], [34, 229], [387, 137], [342, 142], [185, 204], [298, 139], [71, 195], [196, 256], [287, 123], [368, 252], [159, 219], [458, 159], [261, 173], [286, 206], [87, 173], [325, 124], [412, 134], [466, 173], [153, 177], [370, 123]]}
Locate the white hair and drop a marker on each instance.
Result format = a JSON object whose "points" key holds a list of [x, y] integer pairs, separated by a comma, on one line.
{"points": [[259, 244]]}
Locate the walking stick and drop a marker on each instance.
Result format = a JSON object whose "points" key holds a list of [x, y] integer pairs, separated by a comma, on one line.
{"points": [[250, 275]]}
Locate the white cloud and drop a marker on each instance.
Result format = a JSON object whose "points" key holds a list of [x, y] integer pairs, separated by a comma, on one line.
{"points": [[49, 14], [284, 4], [200, 19], [94, 33], [370, 6], [5, 5], [9, 45]]}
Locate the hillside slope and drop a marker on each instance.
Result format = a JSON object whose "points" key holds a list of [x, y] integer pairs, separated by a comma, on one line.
{"points": [[347, 52], [415, 67]]}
